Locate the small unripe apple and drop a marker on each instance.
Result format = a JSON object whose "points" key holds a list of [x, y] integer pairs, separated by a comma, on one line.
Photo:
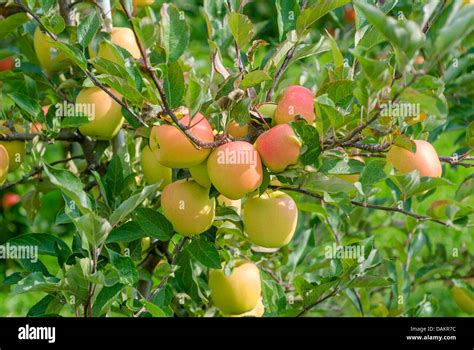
{"points": [[187, 205], [226, 202], [10, 199], [237, 293], [142, 3], [153, 171], [267, 109], [200, 175], [237, 131], [16, 149], [270, 219], [351, 177], [7, 64], [257, 311], [107, 118], [4, 161], [425, 159], [463, 298], [235, 169], [174, 149], [120, 36], [278, 147], [49, 57], [295, 100]]}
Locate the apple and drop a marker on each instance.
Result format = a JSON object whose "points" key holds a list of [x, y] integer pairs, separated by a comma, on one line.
{"points": [[257, 311], [153, 171], [4, 163], [295, 100], [120, 36], [187, 205], [173, 147], [226, 202], [349, 14], [278, 147], [267, 109], [237, 131], [200, 175], [463, 298], [235, 169], [142, 3], [107, 118], [7, 63], [270, 219], [16, 149], [239, 292], [425, 159], [351, 177], [10, 199], [49, 57]]}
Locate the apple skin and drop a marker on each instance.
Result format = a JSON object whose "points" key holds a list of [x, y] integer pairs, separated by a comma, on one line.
{"points": [[188, 207], [278, 147], [120, 36], [143, 3], [270, 220], [257, 311], [200, 175], [235, 177], [237, 293], [4, 164], [49, 58], [10, 199], [174, 149], [353, 178], [153, 171], [16, 149], [425, 160], [108, 118], [237, 131], [295, 100], [7, 64], [267, 109], [464, 301]]}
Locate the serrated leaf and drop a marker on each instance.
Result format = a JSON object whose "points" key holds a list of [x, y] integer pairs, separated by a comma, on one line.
{"points": [[241, 27]]}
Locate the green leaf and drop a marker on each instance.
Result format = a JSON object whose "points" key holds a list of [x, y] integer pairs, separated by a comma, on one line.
{"points": [[205, 252], [254, 78], [77, 278], [454, 32], [241, 27], [123, 87], [114, 177], [338, 58], [311, 147], [128, 232], [273, 294], [54, 22], [310, 15], [287, 11], [368, 281], [95, 228], [373, 172], [174, 85], [43, 241], [72, 52], [174, 32], [70, 185], [125, 267], [105, 298], [153, 309], [153, 223], [26, 103], [194, 96], [131, 203], [87, 29], [11, 23], [36, 281]]}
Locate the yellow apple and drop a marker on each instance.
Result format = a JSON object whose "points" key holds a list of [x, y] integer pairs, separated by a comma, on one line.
{"points": [[187, 205], [257, 311], [106, 119], [237, 131], [463, 298], [4, 160], [16, 149], [120, 36], [239, 292], [267, 109], [153, 171], [270, 219], [49, 57], [142, 3], [200, 175]]}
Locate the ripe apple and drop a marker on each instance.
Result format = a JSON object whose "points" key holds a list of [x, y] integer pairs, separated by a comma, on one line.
{"points": [[463, 298], [187, 205], [7, 64], [239, 292], [200, 175], [278, 147], [351, 177], [235, 169], [226, 202], [4, 161], [106, 120], [257, 311], [425, 159], [270, 219], [173, 147], [142, 3], [349, 14], [267, 109], [237, 131], [49, 57], [295, 100], [10, 199], [123, 37], [153, 171], [16, 149]]}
